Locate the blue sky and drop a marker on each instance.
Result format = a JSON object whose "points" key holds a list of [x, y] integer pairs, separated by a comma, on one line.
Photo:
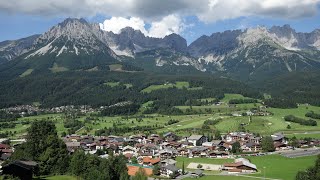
{"points": [[18, 20]]}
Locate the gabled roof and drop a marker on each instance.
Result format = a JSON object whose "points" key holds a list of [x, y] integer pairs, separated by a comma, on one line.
{"points": [[195, 137], [171, 168], [169, 161], [4, 146], [73, 144], [241, 162], [150, 160], [277, 136]]}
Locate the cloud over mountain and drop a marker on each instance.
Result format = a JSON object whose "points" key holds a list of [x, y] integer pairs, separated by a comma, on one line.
{"points": [[205, 10]]}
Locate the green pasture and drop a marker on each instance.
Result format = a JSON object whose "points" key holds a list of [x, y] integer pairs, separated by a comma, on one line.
{"points": [[178, 84]]}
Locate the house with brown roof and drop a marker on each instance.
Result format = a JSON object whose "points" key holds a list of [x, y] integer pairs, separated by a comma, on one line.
{"points": [[150, 161], [240, 165]]}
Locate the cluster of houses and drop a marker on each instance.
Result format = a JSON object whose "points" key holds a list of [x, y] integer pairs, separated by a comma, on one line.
{"points": [[25, 110], [147, 152], [154, 150]]}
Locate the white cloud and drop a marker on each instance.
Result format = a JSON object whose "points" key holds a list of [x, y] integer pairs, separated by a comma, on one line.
{"points": [[115, 24], [205, 10], [166, 26], [285, 9]]}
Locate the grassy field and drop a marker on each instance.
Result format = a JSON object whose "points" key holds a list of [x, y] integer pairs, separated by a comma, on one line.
{"points": [[56, 68], [301, 136], [178, 84], [263, 125], [228, 97], [280, 167], [112, 84], [115, 67], [187, 161], [275, 166], [21, 129], [26, 73]]}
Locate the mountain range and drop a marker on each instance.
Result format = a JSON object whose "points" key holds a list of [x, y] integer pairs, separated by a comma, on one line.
{"points": [[75, 45]]}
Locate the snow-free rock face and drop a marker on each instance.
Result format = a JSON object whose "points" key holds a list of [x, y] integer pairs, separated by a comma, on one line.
{"points": [[11, 49], [130, 41]]}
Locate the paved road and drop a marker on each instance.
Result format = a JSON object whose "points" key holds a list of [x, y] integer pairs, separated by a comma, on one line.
{"points": [[301, 153]]}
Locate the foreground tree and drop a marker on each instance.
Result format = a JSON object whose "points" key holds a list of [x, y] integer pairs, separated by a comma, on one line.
{"points": [[44, 146], [310, 173]]}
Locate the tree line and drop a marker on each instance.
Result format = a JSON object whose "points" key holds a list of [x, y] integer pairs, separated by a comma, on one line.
{"points": [[300, 121], [45, 147]]}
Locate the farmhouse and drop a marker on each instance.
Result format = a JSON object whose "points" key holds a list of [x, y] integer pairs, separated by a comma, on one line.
{"points": [[21, 169], [240, 165]]}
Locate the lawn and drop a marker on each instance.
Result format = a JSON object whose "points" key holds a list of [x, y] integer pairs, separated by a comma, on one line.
{"points": [[56, 68], [187, 161], [115, 67], [301, 136], [280, 167], [276, 166], [228, 97]]}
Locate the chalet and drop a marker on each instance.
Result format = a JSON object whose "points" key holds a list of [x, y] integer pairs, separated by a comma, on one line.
{"points": [[4, 146], [278, 137], [240, 165], [197, 139], [280, 146], [198, 151], [168, 153], [169, 170], [183, 152], [218, 154], [72, 146], [251, 147], [128, 150], [238, 136], [167, 162], [169, 136], [21, 169], [209, 145]]}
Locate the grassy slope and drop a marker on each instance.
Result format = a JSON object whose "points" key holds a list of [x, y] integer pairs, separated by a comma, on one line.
{"points": [[178, 84], [26, 73]]}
